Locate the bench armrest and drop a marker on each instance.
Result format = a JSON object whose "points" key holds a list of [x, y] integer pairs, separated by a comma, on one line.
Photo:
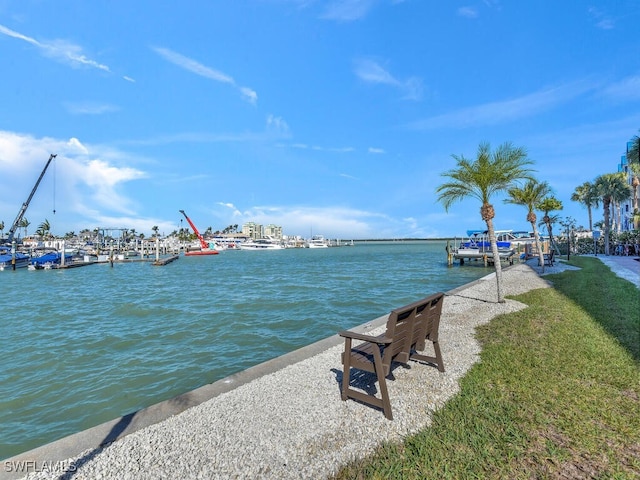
{"points": [[365, 338]]}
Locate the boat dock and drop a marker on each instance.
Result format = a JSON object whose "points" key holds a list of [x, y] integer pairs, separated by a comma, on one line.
{"points": [[164, 261], [486, 256], [478, 247]]}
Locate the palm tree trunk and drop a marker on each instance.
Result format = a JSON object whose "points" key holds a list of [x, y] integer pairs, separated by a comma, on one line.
{"points": [[552, 244], [538, 245], [590, 218], [607, 227], [496, 259]]}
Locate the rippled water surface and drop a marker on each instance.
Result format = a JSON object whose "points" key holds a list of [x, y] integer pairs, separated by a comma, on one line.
{"points": [[82, 346]]}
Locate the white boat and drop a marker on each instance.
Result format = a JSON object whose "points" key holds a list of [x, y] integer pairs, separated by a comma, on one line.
{"points": [[261, 244], [317, 241]]}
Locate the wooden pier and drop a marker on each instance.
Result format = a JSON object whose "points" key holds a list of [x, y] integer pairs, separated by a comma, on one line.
{"points": [[166, 260]]}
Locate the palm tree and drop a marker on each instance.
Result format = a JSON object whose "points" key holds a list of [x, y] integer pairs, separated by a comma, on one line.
{"points": [[633, 152], [529, 196], [155, 229], [635, 182], [490, 173], [2, 228], [548, 205], [44, 229], [612, 188], [633, 155], [587, 195], [24, 223]]}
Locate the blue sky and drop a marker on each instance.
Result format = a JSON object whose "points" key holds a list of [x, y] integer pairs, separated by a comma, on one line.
{"points": [[332, 117]]}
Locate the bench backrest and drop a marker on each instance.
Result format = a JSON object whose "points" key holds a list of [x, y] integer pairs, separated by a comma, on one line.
{"points": [[409, 326], [427, 323]]}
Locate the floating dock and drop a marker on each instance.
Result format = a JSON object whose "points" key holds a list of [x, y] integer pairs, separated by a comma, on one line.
{"points": [[164, 261]]}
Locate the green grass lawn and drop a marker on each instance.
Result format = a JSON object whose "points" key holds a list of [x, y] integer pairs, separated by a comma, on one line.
{"points": [[555, 395]]}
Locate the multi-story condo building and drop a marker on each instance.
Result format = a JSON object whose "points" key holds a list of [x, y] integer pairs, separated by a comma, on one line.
{"points": [[253, 230], [274, 231], [627, 207]]}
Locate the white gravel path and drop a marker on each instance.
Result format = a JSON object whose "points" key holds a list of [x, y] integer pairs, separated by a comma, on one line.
{"points": [[292, 424]]}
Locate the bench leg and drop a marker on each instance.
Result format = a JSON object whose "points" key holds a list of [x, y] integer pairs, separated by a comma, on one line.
{"points": [[436, 348], [437, 359], [346, 374], [382, 382]]}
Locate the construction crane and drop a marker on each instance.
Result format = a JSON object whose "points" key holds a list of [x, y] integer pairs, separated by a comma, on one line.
{"points": [[204, 246], [25, 205]]}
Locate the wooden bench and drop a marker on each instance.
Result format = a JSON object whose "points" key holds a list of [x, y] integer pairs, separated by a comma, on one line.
{"points": [[548, 258], [408, 330]]}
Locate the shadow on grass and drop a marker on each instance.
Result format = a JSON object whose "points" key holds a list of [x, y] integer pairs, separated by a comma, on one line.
{"points": [[611, 301]]}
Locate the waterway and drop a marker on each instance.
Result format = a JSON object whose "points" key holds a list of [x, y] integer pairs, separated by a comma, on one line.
{"points": [[82, 346]]}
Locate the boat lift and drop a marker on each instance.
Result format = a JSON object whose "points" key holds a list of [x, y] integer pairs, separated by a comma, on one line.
{"points": [[205, 248], [25, 205]]}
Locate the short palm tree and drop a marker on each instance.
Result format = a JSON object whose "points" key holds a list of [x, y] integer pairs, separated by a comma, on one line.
{"points": [[587, 195], [530, 195], [548, 205], [44, 228], [24, 223], [612, 188], [490, 173]]}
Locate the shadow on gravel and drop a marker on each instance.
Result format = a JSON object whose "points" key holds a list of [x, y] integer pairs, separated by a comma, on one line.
{"points": [[111, 437]]}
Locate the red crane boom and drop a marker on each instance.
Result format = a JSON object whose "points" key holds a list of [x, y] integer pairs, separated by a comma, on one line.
{"points": [[203, 243]]}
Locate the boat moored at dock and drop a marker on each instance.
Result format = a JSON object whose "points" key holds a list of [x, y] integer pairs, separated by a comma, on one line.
{"points": [[478, 247], [266, 243], [12, 260], [50, 258], [317, 241]]}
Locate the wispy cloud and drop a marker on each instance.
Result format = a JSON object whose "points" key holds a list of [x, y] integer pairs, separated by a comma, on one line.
{"points": [[318, 148], [601, 19], [59, 50], [202, 137], [89, 108], [278, 126], [468, 12], [275, 127], [345, 175], [198, 68], [333, 221], [347, 10], [377, 151], [626, 89], [494, 113], [94, 176], [371, 71]]}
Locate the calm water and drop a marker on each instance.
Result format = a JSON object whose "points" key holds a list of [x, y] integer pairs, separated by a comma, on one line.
{"points": [[82, 346]]}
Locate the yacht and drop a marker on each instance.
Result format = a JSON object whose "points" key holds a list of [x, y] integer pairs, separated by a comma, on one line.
{"points": [[318, 241], [261, 244]]}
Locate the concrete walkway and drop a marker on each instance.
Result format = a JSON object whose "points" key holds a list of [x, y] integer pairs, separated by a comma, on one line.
{"points": [[627, 267]]}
